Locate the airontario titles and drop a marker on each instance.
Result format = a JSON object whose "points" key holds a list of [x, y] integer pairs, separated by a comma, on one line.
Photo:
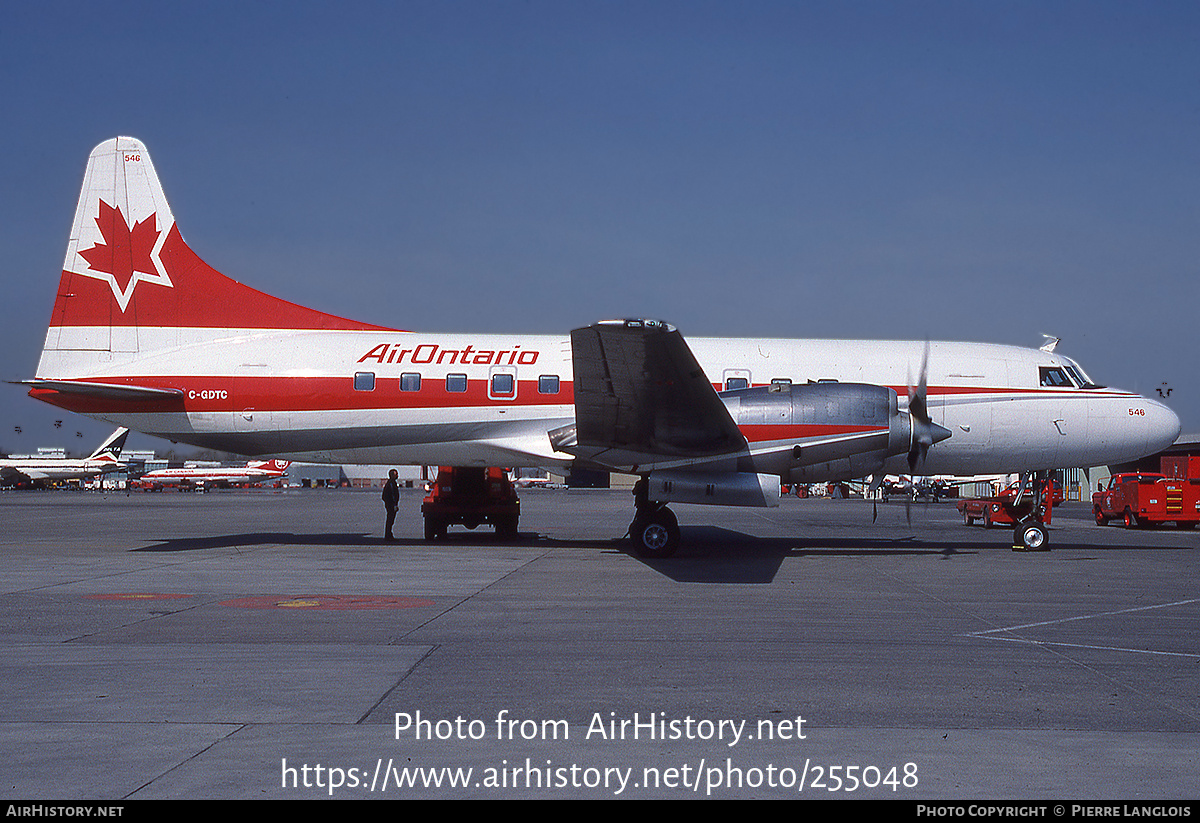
{"points": [[427, 353]]}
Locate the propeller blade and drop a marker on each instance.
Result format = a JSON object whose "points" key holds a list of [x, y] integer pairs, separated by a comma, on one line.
{"points": [[924, 431]]}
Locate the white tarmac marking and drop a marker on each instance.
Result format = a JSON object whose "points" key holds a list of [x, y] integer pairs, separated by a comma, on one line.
{"points": [[983, 635]]}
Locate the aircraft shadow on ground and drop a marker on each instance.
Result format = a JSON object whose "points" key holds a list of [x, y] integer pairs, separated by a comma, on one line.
{"points": [[231, 541], [252, 539], [710, 554]]}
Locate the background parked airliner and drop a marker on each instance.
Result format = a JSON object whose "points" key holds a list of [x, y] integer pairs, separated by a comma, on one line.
{"points": [[145, 333], [41, 470], [255, 471]]}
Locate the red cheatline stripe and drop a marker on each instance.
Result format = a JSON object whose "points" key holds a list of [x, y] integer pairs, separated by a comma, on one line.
{"points": [[759, 433]]}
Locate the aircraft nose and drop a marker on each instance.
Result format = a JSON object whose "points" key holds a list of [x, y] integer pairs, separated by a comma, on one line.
{"points": [[1162, 426]]}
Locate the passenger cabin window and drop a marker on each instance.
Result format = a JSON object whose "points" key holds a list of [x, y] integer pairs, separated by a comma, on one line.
{"points": [[364, 381], [1054, 376], [781, 385], [504, 386], [456, 383], [410, 381], [734, 383], [548, 384]]}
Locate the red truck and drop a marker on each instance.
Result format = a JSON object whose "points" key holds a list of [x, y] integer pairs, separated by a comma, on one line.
{"points": [[1152, 499], [469, 496]]}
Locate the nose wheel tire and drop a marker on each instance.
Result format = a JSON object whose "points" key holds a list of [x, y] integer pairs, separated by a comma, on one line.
{"points": [[656, 533], [1031, 537]]}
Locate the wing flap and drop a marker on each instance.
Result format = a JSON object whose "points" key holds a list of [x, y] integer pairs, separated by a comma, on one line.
{"points": [[639, 391]]}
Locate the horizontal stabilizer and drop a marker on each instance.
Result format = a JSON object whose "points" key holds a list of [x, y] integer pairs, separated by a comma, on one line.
{"points": [[102, 391]]}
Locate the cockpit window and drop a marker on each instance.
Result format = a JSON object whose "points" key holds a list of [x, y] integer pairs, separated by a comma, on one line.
{"points": [[1054, 376], [1080, 376]]}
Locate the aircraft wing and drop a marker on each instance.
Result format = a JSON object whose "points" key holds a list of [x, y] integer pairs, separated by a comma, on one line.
{"points": [[641, 399]]}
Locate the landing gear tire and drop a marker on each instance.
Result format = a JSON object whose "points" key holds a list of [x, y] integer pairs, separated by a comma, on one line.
{"points": [[506, 529], [435, 529], [1031, 537], [656, 533]]}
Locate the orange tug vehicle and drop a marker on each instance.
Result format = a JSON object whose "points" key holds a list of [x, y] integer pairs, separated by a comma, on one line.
{"points": [[1144, 499], [469, 496]]}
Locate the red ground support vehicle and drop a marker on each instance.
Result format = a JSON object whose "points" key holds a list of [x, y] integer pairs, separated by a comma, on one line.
{"points": [[469, 496], [1004, 509], [1148, 499], [1010, 493], [991, 510], [1183, 468]]}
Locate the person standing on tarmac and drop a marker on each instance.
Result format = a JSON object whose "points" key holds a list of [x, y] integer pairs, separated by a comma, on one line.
{"points": [[391, 502]]}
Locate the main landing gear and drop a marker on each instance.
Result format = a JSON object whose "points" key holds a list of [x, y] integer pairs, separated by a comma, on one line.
{"points": [[1031, 533], [654, 530]]}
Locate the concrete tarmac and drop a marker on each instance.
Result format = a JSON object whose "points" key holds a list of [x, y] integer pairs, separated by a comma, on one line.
{"points": [[269, 644]]}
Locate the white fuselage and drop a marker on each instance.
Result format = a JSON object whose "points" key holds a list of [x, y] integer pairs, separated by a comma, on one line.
{"points": [[491, 399], [168, 477]]}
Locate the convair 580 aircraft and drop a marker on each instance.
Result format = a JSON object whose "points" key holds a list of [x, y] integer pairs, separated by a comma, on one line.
{"points": [[146, 334]]}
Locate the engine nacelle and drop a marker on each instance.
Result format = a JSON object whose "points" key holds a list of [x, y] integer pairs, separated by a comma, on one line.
{"points": [[838, 431], [714, 488]]}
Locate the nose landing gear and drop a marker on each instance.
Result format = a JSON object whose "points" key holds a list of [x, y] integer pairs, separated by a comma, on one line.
{"points": [[1031, 533], [1031, 537]]}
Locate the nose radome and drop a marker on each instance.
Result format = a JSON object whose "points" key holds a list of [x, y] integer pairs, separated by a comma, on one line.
{"points": [[1162, 426]]}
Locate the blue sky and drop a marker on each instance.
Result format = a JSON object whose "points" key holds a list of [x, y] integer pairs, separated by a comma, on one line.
{"points": [[975, 171]]}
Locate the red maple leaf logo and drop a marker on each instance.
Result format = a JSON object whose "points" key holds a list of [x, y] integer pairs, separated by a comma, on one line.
{"points": [[125, 250]]}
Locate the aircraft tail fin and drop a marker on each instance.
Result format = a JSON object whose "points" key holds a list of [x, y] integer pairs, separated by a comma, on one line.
{"points": [[110, 449], [270, 465], [130, 284]]}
